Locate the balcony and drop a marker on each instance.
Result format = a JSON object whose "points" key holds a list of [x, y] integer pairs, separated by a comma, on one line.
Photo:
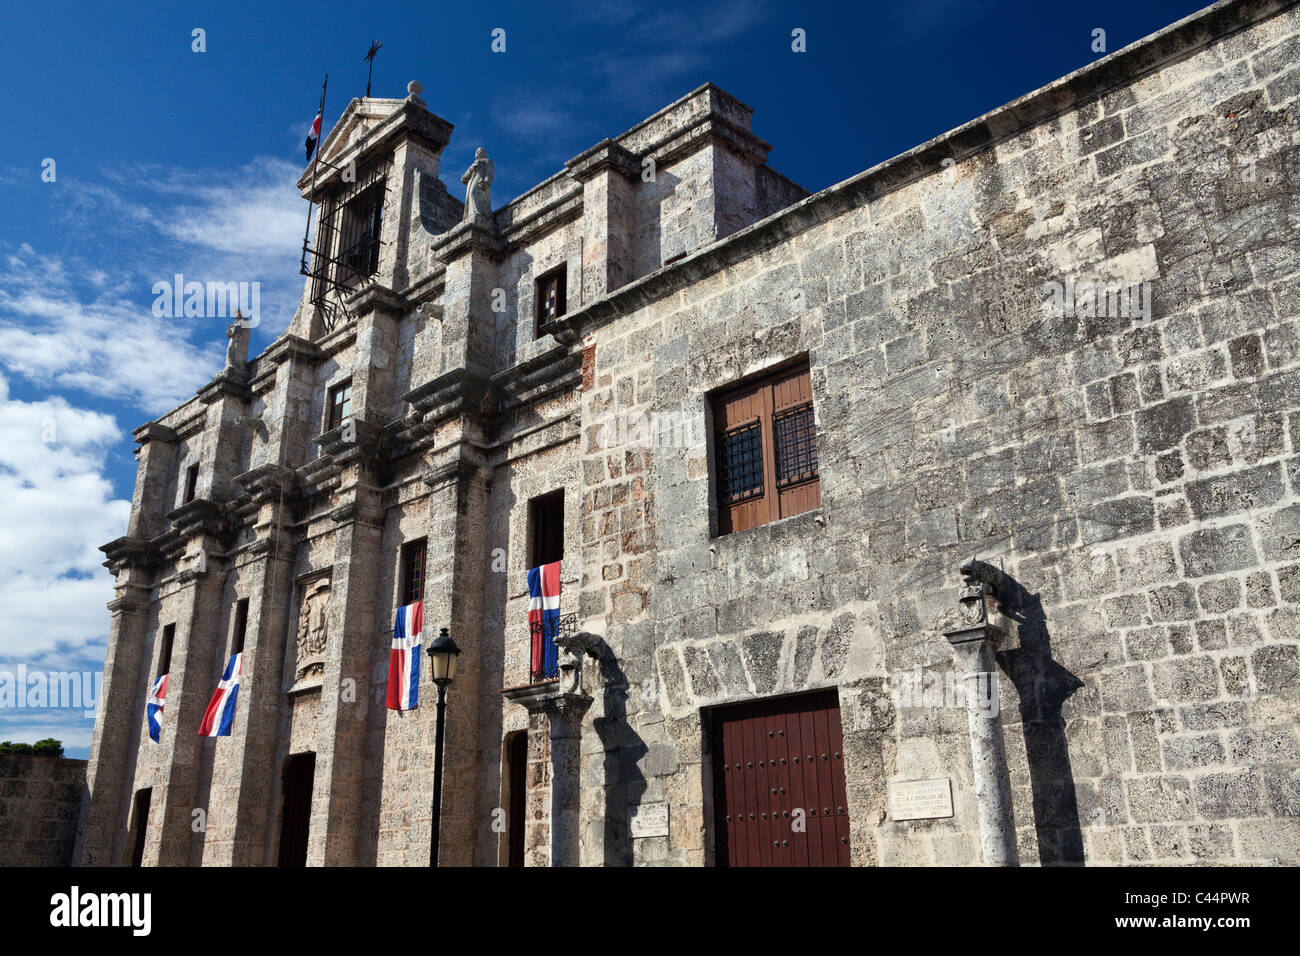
{"points": [[543, 656]]}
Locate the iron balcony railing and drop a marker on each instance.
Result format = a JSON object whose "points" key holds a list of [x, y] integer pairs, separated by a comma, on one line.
{"points": [[543, 656]]}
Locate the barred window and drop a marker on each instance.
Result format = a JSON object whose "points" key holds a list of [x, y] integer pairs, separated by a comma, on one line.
{"points": [[796, 445], [550, 294], [740, 463], [766, 449]]}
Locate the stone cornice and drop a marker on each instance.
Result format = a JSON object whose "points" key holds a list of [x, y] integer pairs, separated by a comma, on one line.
{"points": [[606, 154], [366, 442], [152, 431], [377, 298], [200, 516], [128, 552], [464, 238], [226, 383], [452, 393], [1092, 81]]}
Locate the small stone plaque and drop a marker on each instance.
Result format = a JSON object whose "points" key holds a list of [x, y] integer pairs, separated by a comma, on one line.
{"points": [[920, 799], [650, 820]]}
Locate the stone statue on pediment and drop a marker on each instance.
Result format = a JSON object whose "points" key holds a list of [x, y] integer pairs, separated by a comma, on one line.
{"points": [[478, 187]]}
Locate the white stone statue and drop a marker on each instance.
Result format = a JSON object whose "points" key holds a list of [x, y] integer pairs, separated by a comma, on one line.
{"points": [[478, 187]]}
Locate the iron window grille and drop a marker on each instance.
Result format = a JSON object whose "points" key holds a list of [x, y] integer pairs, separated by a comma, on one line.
{"points": [[795, 435], [740, 463], [551, 291], [347, 243]]}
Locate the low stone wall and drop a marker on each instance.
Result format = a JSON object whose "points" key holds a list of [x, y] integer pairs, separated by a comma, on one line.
{"points": [[39, 801]]}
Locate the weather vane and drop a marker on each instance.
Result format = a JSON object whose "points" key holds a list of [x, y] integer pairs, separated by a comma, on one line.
{"points": [[370, 56]]}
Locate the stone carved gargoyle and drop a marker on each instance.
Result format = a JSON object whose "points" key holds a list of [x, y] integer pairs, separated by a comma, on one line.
{"points": [[982, 582]]}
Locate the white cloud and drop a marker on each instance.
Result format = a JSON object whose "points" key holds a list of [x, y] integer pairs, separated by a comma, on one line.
{"points": [[59, 508], [107, 345]]}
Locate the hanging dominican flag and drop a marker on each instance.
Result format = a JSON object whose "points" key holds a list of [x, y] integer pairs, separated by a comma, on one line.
{"points": [[313, 136], [404, 658], [544, 618], [221, 708], [154, 707]]}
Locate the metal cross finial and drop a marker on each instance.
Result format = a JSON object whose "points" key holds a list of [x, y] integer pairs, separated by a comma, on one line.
{"points": [[370, 56]]}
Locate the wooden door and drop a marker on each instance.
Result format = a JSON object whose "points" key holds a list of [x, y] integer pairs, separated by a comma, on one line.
{"points": [[778, 780]]}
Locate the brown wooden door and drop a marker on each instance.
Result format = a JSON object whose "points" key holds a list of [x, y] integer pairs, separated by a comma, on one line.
{"points": [[771, 759]]}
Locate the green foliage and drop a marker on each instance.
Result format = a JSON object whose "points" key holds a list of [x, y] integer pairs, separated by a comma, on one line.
{"points": [[49, 747]]}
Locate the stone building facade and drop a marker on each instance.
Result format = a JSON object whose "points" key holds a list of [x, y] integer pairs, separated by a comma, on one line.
{"points": [[1126, 477]]}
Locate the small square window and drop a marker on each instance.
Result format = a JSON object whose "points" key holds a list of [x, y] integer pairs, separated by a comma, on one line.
{"points": [[551, 289], [340, 405]]}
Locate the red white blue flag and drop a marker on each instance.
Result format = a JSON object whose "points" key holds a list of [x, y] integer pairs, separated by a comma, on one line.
{"points": [[220, 715], [313, 136], [154, 707], [404, 658], [544, 618]]}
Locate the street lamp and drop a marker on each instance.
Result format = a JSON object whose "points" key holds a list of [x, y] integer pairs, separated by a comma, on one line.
{"points": [[442, 662]]}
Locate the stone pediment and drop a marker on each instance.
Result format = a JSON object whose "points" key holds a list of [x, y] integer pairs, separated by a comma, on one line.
{"points": [[366, 125]]}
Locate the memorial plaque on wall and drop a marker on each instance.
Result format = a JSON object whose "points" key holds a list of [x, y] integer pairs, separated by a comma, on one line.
{"points": [[650, 820], [920, 799]]}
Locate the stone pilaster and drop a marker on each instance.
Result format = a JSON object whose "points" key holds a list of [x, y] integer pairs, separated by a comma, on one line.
{"points": [[101, 829], [267, 579], [608, 173], [340, 762], [196, 667]]}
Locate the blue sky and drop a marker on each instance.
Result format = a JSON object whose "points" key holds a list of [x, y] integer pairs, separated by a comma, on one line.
{"points": [[168, 160]]}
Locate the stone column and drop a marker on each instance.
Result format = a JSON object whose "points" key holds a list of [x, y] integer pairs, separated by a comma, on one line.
{"points": [[565, 714], [975, 646], [564, 702], [974, 649]]}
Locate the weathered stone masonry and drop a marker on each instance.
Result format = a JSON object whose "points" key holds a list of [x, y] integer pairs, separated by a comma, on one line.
{"points": [[1133, 478]]}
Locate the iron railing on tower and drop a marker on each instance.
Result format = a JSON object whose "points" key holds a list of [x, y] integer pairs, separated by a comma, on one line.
{"points": [[347, 242]]}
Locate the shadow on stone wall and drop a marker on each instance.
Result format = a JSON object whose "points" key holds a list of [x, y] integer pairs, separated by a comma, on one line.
{"points": [[624, 748], [1043, 686]]}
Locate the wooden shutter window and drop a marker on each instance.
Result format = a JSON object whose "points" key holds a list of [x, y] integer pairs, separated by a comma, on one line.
{"points": [[413, 555], [766, 450]]}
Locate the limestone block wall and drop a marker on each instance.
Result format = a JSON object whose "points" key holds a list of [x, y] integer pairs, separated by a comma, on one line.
{"points": [[39, 800], [1134, 477]]}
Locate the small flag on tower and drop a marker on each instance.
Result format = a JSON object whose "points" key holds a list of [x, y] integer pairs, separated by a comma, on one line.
{"points": [[220, 715], [544, 618], [154, 707], [313, 136], [404, 658]]}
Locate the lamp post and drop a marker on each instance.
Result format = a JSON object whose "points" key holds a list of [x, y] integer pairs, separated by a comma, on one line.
{"points": [[442, 661]]}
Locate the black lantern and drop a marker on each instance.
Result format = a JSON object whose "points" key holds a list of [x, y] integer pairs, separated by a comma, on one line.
{"points": [[442, 658]]}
